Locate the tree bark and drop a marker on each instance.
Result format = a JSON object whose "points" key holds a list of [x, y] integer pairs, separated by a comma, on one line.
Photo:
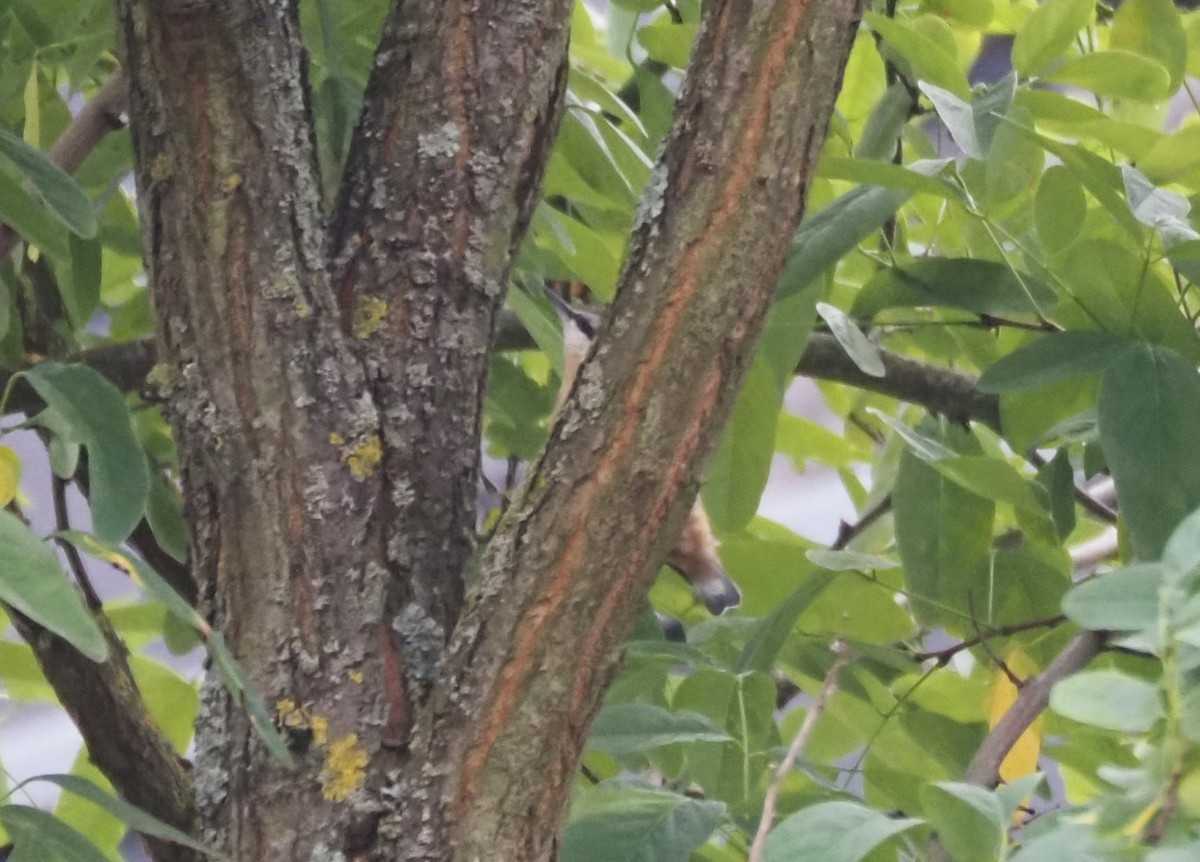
{"points": [[442, 177], [325, 389], [277, 432], [542, 635]]}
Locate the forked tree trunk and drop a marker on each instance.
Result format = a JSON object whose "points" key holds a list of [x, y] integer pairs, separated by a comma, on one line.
{"points": [[326, 396]]}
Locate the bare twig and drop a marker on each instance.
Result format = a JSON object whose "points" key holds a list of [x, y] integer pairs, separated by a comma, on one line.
{"points": [[796, 749], [942, 657], [62, 519], [1084, 498], [847, 533], [1087, 555], [940, 390]]}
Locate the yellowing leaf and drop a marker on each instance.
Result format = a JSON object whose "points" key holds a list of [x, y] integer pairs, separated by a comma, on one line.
{"points": [[1002, 694], [10, 475]]}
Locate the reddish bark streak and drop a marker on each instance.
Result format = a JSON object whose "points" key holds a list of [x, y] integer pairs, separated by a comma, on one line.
{"points": [[675, 476], [398, 718], [516, 671]]}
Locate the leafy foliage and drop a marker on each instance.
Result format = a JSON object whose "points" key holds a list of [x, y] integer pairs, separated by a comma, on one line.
{"points": [[1034, 228]]}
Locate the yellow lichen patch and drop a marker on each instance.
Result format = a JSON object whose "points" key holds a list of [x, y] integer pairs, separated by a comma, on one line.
{"points": [[320, 729], [345, 768], [336, 439], [363, 458], [291, 716], [356, 677], [160, 376], [302, 308], [369, 312], [233, 181], [160, 168]]}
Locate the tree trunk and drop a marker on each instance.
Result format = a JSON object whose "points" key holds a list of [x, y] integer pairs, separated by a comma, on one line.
{"points": [[326, 385]]}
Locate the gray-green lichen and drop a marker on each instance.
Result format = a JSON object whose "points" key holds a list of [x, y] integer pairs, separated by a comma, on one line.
{"points": [[421, 642], [441, 142]]}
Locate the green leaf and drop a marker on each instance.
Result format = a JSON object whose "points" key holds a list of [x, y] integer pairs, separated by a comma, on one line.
{"points": [[41, 837], [944, 535], [1014, 162], [1147, 409], [823, 239], [929, 59], [1059, 208], [858, 347], [1108, 699], [1052, 358], [1048, 33], [969, 820], [1058, 478], [958, 117], [1116, 75], [80, 288], [744, 706], [925, 446], [740, 469], [996, 480], [62, 196], [832, 832], [620, 823], [771, 633], [846, 561], [887, 118], [131, 816], [978, 286], [1153, 29], [98, 416], [887, 175], [165, 517], [1181, 556], [992, 107], [1149, 204], [1123, 600], [635, 728], [31, 222], [33, 582], [667, 42]]}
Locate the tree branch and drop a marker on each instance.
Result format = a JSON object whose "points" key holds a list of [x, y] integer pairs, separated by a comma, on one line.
{"points": [[442, 177], [948, 393], [942, 656], [1033, 698], [567, 571], [276, 429], [122, 738]]}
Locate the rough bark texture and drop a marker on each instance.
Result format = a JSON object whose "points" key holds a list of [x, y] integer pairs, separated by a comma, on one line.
{"points": [[277, 433], [541, 638], [441, 180], [122, 739], [325, 389]]}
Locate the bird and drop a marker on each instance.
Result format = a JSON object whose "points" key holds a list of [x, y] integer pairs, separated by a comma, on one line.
{"points": [[694, 554]]}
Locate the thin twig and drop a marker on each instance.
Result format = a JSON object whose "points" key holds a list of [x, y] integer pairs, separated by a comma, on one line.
{"points": [[62, 520], [847, 533], [796, 748], [1085, 499], [942, 657]]}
